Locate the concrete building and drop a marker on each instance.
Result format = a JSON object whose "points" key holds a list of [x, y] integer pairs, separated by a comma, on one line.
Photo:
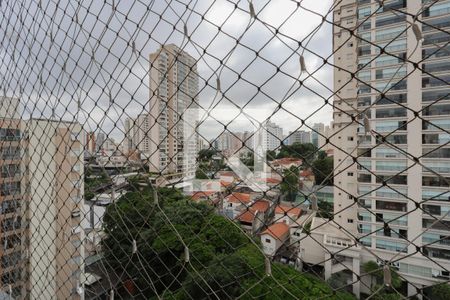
{"points": [[41, 195], [137, 135], [230, 143], [13, 199], [55, 184], [272, 136], [301, 137], [274, 237], [101, 137], [408, 182], [317, 132], [91, 146], [173, 89]]}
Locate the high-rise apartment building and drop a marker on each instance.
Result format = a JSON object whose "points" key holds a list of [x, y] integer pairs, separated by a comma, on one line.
{"points": [[300, 136], [13, 200], [272, 136], [318, 130], [173, 89], [383, 196], [41, 194], [55, 169]]}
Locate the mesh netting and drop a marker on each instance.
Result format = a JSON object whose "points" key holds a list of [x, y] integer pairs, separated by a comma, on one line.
{"points": [[288, 149]]}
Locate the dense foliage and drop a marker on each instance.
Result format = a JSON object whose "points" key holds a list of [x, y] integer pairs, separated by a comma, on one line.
{"points": [[222, 258], [440, 291], [371, 268], [290, 185], [92, 182], [323, 170], [307, 152]]}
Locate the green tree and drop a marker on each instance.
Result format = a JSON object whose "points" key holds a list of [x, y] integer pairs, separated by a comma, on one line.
{"points": [[376, 273], [326, 209], [200, 173], [323, 171], [271, 155], [440, 291], [206, 154], [92, 182], [290, 184], [222, 258], [249, 160], [306, 152], [321, 154]]}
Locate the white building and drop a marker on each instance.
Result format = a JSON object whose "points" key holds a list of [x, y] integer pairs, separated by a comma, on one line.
{"points": [[274, 237], [300, 136], [272, 136]]}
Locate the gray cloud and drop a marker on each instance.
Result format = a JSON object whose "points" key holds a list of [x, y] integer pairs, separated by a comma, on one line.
{"points": [[67, 51]]}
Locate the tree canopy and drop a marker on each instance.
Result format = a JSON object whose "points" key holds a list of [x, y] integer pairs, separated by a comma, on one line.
{"points": [[322, 169], [306, 152], [290, 184]]}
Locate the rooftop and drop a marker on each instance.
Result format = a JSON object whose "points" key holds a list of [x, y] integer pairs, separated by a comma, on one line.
{"points": [[238, 198], [286, 210], [201, 194], [287, 161], [247, 216], [277, 230], [260, 205]]}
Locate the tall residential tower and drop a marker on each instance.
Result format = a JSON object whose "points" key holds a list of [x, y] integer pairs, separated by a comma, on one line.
{"points": [[382, 195], [173, 89]]}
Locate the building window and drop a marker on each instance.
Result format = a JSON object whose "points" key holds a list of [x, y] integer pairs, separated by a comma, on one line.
{"points": [[350, 174], [268, 241], [349, 220]]}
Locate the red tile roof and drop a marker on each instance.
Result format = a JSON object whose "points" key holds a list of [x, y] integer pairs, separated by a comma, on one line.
{"points": [[226, 173], [238, 198], [260, 205], [282, 209], [273, 180], [306, 173], [247, 217], [225, 183], [277, 230], [199, 195], [287, 161]]}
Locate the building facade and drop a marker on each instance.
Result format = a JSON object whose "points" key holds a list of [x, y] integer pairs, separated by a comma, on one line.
{"points": [[389, 199], [13, 199], [173, 90], [55, 174], [317, 133], [272, 136], [91, 146], [41, 196], [137, 135], [300, 136]]}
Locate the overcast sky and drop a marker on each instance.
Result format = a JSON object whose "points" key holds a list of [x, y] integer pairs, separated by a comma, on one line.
{"points": [[67, 51]]}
